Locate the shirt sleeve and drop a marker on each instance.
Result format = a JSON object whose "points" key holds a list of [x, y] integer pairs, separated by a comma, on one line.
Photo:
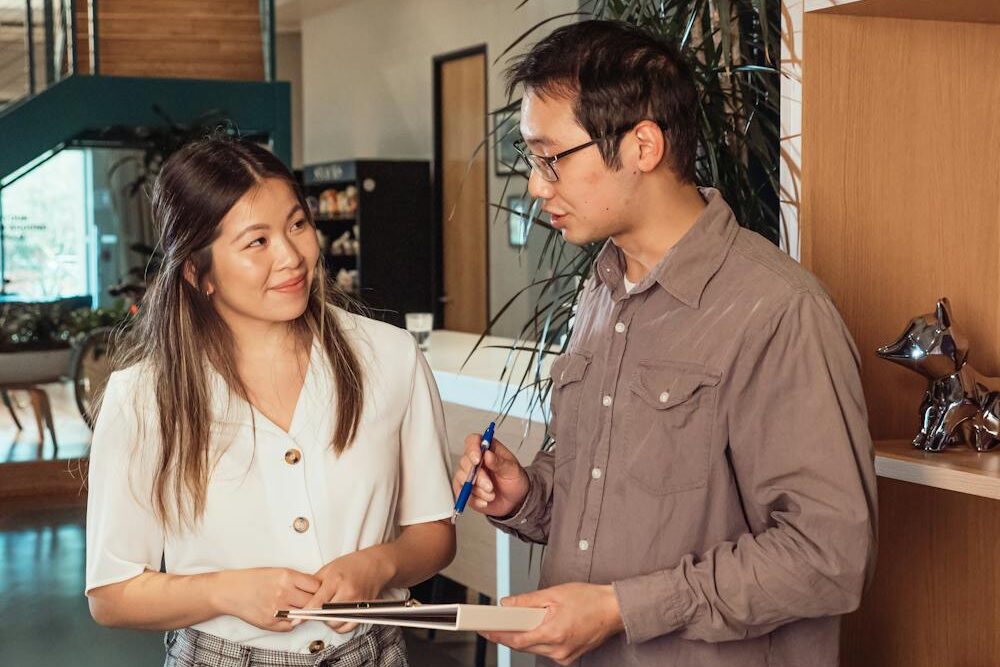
{"points": [[531, 522], [425, 464], [124, 537], [803, 459]]}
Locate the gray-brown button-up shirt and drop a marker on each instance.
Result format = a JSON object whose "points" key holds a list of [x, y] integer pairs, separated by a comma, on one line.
{"points": [[712, 458]]}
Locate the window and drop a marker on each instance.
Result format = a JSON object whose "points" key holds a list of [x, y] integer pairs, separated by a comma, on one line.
{"points": [[44, 222]]}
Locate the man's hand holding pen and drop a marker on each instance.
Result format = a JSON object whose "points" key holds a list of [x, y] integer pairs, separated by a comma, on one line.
{"points": [[501, 485]]}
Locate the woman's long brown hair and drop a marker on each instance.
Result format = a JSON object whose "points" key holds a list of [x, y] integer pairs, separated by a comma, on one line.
{"points": [[178, 333]]}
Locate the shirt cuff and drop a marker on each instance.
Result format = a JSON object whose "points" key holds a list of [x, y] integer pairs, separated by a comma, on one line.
{"points": [[654, 604], [526, 512]]}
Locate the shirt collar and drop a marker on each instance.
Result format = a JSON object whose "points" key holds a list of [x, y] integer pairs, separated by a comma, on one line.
{"points": [[685, 269]]}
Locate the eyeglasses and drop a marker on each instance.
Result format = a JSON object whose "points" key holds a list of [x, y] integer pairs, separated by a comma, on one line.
{"points": [[546, 165]]}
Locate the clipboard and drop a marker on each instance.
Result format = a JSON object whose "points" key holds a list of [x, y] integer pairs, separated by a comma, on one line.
{"points": [[453, 617]]}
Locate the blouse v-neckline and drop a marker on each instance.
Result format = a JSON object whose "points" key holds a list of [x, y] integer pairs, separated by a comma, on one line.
{"points": [[263, 420]]}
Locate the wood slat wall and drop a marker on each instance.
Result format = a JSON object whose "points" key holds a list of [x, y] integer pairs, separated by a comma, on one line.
{"points": [[175, 39], [900, 206]]}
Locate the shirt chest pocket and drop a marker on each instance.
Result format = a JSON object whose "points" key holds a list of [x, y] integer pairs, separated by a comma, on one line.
{"points": [[568, 372], [669, 428]]}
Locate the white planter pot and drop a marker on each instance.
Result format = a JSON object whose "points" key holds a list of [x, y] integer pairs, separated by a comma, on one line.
{"points": [[34, 367]]}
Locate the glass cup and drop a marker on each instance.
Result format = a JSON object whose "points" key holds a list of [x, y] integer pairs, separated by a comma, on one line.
{"points": [[419, 325]]}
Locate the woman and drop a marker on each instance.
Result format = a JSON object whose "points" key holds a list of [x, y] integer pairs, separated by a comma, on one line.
{"points": [[274, 450]]}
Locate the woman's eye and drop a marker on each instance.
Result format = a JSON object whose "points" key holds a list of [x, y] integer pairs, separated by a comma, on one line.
{"points": [[257, 243], [298, 224]]}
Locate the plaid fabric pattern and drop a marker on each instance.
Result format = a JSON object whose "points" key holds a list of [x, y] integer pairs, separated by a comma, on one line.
{"points": [[381, 647]]}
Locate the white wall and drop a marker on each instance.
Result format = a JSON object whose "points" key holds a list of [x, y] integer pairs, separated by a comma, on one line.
{"points": [[367, 85], [791, 124], [288, 66]]}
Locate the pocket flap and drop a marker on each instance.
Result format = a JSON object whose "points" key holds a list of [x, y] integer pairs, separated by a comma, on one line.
{"points": [[569, 367], [663, 385]]}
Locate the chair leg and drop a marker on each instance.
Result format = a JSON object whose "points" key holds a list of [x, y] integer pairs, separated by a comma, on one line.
{"points": [[49, 421], [5, 397], [43, 418]]}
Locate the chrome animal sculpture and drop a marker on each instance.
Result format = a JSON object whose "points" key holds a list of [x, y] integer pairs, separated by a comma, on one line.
{"points": [[961, 405]]}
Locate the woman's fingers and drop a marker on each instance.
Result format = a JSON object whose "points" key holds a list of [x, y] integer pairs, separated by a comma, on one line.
{"points": [[302, 600], [305, 582], [341, 627]]}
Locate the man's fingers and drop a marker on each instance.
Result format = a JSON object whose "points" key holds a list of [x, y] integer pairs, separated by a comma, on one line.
{"points": [[531, 599], [501, 463], [532, 640], [472, 443]]}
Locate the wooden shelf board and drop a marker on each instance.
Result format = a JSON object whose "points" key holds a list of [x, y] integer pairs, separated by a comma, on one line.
{"points": [[961, 11], [958, 469]]}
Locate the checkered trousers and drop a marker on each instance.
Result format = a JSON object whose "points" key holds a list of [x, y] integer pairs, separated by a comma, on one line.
{"points": [[381, 647]]}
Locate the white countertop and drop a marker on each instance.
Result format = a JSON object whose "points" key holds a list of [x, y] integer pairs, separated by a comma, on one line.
{"points": [[479, 384], [481, 381]]}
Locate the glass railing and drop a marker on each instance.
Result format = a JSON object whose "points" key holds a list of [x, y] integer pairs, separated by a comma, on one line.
{"points": [[36, 46], [44, 41]]}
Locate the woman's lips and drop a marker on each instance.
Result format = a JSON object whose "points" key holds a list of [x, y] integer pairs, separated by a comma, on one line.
{"points": [[293, 285]]}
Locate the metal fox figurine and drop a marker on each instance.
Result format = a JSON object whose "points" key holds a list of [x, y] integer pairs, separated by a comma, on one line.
{"points": [[960, 404]]}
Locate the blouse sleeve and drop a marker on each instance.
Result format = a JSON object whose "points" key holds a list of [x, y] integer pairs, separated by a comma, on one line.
{"points": [[124, 537], [425, 462]]}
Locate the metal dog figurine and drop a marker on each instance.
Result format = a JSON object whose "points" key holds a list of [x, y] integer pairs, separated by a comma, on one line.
{"points": [[960, 405]]}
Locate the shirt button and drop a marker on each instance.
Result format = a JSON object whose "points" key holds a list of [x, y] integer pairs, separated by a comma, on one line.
{"points": [[584, 545], [293, 456], [301, 524], [317, 646], [620, 327], [596, 473], [664, 397], [606, 401]]}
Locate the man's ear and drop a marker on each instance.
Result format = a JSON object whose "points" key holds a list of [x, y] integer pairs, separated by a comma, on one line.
{"points": [[191, 276], [651, 143]]}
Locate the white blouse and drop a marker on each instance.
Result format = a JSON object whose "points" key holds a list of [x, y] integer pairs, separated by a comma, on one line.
{"points": [[287, 501]]}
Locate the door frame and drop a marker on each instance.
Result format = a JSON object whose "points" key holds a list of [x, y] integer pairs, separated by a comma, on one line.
{"points": [[437, 227]]}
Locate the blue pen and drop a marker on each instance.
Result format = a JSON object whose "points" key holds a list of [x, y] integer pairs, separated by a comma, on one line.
{"points": [[470, 482]]}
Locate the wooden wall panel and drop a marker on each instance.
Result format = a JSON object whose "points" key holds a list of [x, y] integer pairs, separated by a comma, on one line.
{"points": [[175, 39], [81, 10], [901, 150], [935, 599]]}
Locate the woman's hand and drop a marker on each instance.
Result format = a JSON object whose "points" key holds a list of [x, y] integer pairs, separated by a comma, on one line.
{"points": [[361, 575], [253, 595]]}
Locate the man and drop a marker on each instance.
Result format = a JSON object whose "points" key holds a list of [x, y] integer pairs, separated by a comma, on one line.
{"points": [[710, 498]]}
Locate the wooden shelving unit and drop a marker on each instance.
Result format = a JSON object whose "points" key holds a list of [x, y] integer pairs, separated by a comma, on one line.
{"points": [[963, 470], [395, 253], [901, 206]]}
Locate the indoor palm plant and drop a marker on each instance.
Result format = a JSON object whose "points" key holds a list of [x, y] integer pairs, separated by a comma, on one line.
{"points": [[732, 47]]}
